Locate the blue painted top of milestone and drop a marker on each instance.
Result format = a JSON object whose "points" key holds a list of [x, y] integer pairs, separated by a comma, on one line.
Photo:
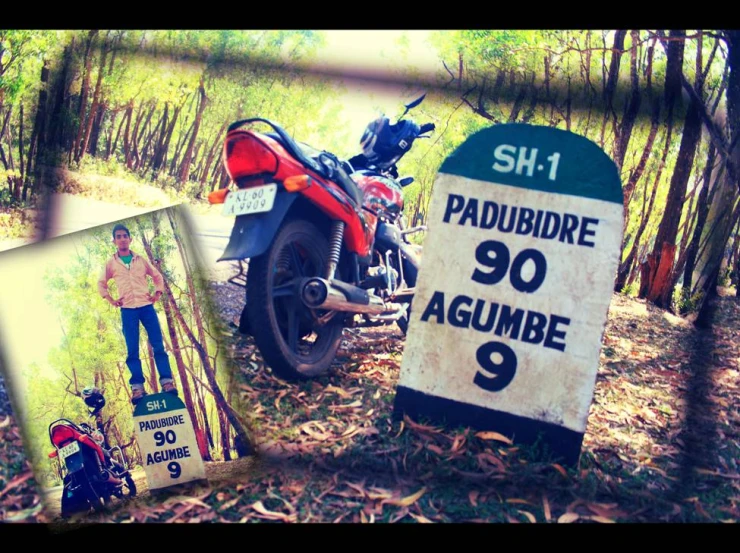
{"points": [[581, 168]]}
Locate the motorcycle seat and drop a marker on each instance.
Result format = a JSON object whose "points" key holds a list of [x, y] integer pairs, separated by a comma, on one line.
{"points": [[307, 150], [341, 177]]}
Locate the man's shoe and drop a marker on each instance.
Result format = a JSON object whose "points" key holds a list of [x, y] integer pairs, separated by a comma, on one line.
{"points": [[169, 388], [137, 394]]}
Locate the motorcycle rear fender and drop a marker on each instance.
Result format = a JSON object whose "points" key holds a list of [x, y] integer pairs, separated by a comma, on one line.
{"points": [[252, 234]]}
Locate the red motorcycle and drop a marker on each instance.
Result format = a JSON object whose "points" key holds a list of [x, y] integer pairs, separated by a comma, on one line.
{"points": [[91, 474], [325, 239]]}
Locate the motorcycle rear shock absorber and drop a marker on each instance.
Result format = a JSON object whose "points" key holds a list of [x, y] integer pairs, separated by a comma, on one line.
{"points": [[335, 248]]}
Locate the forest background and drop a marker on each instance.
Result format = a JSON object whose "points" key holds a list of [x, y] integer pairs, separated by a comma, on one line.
{"points": [[60, 337]]}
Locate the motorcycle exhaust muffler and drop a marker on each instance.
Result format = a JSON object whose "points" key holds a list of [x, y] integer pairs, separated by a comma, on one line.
{"points": [[319, 293]]}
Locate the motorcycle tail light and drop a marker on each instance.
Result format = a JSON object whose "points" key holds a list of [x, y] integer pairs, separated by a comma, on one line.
{"points": [[53, 454], [245, 155], [62, 434]]}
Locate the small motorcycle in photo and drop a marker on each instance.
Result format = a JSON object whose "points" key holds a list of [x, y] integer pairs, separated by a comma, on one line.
{"points": [[91, 474], [325, 238]]}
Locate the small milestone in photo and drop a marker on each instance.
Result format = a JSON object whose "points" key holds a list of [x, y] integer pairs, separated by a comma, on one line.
{"points": [[117, 380]]}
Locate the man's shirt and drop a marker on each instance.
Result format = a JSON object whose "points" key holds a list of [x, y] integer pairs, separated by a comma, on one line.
{"points": [[131, 280]]}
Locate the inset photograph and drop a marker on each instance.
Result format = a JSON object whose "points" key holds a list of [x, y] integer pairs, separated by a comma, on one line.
{"points": [[115, 371]]}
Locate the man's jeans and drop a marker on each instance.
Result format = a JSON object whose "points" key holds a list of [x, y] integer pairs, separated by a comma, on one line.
{"points": [[130, 318]]}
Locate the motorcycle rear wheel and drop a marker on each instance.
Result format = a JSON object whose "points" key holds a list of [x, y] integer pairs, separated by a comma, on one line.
{"points": [[96, 501], [286, 332], [76, 503]]}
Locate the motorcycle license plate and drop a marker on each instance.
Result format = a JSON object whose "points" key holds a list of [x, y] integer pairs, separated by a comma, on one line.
{"points": [[68, 450], [252, 200]]}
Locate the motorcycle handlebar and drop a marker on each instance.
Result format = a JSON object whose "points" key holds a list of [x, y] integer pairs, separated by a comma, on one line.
{"points": [[426, 127]]}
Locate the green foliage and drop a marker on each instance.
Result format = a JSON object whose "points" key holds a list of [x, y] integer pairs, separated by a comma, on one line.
{"points": [[725, 276], [21, 52], [684, 302], [630, 289]]}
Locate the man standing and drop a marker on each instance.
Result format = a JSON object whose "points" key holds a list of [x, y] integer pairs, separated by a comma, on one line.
{"points": [[129, 271]]}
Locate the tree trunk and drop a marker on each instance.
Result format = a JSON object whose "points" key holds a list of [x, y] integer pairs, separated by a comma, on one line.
{"points": [[685, 231], [139, 134], [184, 173], [632, 108], [681, 174], [519, 101], [660, 292], [92, 146], [126, 121], [209, 159], [59, 119], [532, 102], [701, 217], [38, 135], [109, 142], [82, 107], [199, 396], [625, 267], [183, 137], [129, 137], [162, 126], [654, 122], [19, 179], [145, 150], [164, 146], [124, 383], [611, 80], [720, 219]]}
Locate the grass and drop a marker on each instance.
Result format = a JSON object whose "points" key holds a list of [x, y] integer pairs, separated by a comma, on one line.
{"points": [[16, 222]]}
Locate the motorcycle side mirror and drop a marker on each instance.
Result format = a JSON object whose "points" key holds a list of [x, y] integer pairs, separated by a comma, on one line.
{"points": [[416, 102], [405, 181], [412, 105]]}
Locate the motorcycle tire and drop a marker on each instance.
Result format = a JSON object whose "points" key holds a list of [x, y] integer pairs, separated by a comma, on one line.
{"points": [[284, 329], [244, 327], [73, 504]]}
